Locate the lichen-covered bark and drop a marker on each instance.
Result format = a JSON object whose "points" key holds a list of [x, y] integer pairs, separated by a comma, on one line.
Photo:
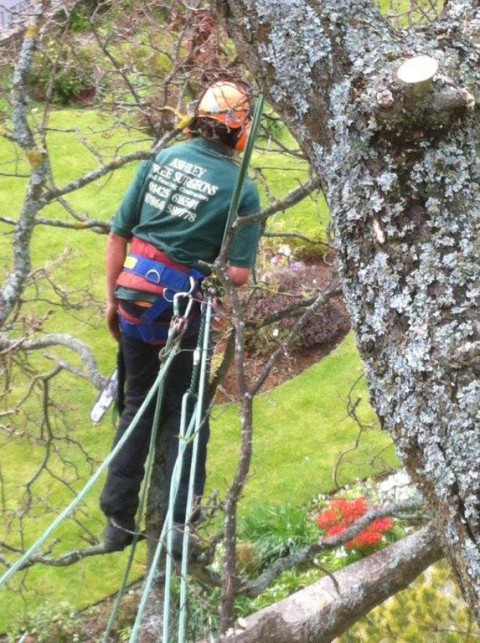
{"points": [[38, 160], [399, 167]]}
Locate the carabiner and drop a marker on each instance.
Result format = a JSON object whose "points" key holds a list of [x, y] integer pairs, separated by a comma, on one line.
{"points": [[179, 295]]}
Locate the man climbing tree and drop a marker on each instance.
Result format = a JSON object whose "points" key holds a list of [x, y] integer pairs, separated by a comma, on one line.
{"points": [[387, 118], [174, 216]]}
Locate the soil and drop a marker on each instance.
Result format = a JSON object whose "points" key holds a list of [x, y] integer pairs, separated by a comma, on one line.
{"points": [[287, 367], [301, 357]]}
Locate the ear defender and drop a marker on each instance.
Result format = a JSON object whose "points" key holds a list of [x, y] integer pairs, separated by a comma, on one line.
{"points": [[243, 137]]}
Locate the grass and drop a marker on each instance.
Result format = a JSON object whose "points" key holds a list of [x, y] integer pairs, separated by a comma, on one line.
{"points": [[308, 218], [300, 428]]}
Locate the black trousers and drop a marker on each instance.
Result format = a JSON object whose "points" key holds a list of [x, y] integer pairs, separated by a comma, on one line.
{"points": [[120, 496]]}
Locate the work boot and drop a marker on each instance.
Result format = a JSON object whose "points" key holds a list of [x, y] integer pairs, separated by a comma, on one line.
{"points": [[194, 546], [117, 534]]}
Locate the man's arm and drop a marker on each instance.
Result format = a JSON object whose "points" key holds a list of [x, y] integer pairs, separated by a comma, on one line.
{"points": [[115, 258]]}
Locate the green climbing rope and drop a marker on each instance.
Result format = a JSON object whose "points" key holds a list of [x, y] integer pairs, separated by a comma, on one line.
{"points": [[202, 384], [189, 435], [172, 338], [76, 501], [247, 155]]}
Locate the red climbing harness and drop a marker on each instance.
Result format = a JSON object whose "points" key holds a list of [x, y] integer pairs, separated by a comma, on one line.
{"points": [[149, 270]]}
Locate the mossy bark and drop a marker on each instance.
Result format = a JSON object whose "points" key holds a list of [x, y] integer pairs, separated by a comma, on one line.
{"points": [[398, 164]]}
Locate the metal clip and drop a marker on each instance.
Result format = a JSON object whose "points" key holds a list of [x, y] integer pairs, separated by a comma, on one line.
{"points": [[156, 274], [179, 323], [176, 295], [180, 295]]}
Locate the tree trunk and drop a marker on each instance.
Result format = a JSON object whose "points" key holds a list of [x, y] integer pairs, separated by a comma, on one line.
{"points": [[396, 153]]}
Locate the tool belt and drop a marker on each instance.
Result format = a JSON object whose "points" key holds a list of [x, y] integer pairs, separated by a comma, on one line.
{"points": [[149, 270]]}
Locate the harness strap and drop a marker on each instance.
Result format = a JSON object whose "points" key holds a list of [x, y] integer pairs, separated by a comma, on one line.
{"points": [[163, 276], [155, 310], [148, 332], [147, 269], [159, 273]]}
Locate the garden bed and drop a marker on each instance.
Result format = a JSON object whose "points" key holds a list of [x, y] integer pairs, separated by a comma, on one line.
{"points": [[322, 334]]}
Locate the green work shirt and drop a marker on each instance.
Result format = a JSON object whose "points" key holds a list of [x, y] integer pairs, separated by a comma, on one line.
{"points": [[180, 201]]}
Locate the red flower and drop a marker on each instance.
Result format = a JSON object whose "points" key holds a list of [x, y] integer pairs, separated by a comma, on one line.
{"points": [[358, 509], [327, 519], [334, 531], [384, 524], [365, 541], [342, 513]]}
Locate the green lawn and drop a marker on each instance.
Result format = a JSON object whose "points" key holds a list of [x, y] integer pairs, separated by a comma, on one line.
{"points": [[300, 428]]}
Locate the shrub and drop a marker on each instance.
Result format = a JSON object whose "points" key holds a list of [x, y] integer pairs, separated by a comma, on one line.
{"points": [[431, 609], [48, 623], [70, 75], [277, 531], [79, 19]]}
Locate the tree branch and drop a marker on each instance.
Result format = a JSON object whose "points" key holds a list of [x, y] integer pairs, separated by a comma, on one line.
{"points": [[54, 194], [329, 607], [70, 558], [59, 339], [39, 165]]}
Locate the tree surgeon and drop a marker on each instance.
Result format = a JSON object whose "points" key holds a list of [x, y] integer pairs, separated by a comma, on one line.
{"points": [[170, 223], [388, 119]]}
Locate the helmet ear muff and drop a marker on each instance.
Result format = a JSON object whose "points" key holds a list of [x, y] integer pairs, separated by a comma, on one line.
{"points": [[243, 137]]}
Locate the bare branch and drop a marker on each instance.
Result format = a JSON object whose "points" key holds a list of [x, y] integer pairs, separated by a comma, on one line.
{"points": [[39, 164], [330, 292], [65, 560], [59, 339]]}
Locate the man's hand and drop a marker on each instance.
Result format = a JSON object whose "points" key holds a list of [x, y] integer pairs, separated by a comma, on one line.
{"points": [[115, 257], [112, 319]]}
